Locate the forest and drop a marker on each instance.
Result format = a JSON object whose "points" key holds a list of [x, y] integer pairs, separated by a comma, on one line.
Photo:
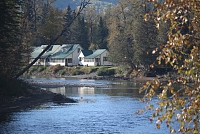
{"points": [[147, 32], [120, 29]]}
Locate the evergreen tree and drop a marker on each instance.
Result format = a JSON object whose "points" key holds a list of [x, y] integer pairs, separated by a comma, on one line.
{"points": [[51, 27], [10, 47], [120, 40], [101, 34], [76, 30], [67, 20], [79, 32], [84, 41], [144, 33]]}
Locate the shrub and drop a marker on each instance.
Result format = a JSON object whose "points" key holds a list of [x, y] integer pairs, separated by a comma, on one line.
{"points": [[33, 69], [103, 71], [41, 68], [88, 70], [122, 70], [76, 72], [55, 68], [111, 72], [62, 72]]}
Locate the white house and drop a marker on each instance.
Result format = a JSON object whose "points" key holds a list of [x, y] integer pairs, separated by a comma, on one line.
{"points": [[66, 56], [94, 58], [44, 58]]}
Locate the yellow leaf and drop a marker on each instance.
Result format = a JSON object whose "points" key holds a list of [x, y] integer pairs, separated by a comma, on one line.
{"points": [[158, 126]]}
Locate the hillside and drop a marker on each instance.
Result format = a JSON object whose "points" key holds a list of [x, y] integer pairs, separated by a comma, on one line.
{"points": [[100, 4]]}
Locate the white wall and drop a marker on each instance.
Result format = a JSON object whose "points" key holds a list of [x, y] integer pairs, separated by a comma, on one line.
{"points": [[82, 59], [75, 55], [102, 63], [105, 63]]}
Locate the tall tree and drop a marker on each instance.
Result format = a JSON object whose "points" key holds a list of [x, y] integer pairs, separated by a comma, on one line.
{"points": [[84, 35], [10, 47], [66, 21], [101, 33], [177, 106], [51, 27], [128, 30], [79, 32], [120, 41], [144, 34], [91, 17]]}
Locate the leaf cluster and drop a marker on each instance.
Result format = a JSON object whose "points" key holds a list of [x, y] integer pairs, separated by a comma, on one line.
{"points": [[177, 105]]}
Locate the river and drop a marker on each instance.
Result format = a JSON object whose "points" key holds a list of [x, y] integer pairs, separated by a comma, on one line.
{"points": [[106, 107]]}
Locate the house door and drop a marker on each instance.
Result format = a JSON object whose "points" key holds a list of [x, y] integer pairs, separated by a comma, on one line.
{"points": [[68, 62], [97, 60]]}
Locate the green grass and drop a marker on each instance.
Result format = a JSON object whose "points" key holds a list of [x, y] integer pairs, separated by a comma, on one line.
{"points": [[76, 70]]}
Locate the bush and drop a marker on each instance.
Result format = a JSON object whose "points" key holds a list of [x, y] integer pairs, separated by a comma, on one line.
{"points": [[56, 68], [111, 72], [33, 69], [76, 72], [41, 68], [62, 72], [103, 71], [88, 70]]}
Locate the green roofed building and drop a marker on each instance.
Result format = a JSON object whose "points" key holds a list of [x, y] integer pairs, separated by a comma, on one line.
{"points": [[65, 55], [71, 55], [44, 59], [94, 58]]}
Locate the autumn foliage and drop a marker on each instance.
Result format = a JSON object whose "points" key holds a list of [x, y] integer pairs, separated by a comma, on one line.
{"points": [[179, 97]]}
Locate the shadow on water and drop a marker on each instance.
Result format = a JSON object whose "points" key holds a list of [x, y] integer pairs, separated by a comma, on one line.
{"points": [[99, 111]]}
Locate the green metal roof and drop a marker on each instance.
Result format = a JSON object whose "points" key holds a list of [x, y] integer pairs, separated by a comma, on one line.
{"points": [[95, 53], [65, 51], [38, 50]]}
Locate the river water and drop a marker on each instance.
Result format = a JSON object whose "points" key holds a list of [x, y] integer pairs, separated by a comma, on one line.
{"points": [[106, 108]]}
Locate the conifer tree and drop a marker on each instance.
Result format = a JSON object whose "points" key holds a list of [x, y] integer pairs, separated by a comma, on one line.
{"points": [[84, 35], [101, 33], [66, 21], [10, 49]]}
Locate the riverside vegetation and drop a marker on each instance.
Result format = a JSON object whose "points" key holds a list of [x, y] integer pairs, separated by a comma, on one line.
{"points": [[58, 70]]}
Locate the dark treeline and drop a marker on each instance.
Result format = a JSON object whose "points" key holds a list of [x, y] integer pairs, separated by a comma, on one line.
{"points": [[120, 29]]}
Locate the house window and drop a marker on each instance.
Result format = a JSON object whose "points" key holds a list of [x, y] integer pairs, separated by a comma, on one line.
{"points": [[57, 60], [80, 58], [105, 59], [97, 59], [47, 60], [69, 60], [78, 50]]}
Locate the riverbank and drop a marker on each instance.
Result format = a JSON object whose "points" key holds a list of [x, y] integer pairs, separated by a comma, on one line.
{"points": [[35, 96]]}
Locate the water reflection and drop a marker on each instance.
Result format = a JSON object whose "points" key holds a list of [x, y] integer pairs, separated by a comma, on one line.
{"points": [[99, 111], [85, 91]]}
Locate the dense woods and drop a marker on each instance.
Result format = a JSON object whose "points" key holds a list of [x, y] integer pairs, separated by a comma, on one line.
{"points": [[147, 33], [121, 29]]}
